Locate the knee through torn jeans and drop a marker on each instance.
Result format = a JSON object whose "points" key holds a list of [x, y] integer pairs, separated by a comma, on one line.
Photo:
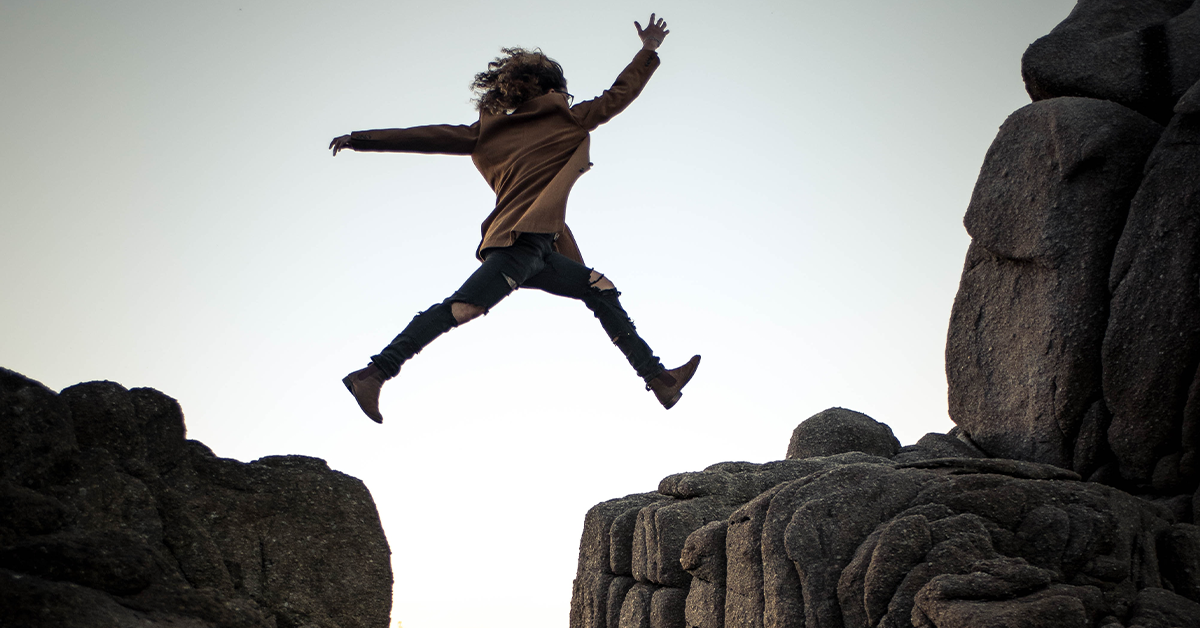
{"points": [[530, 262]]}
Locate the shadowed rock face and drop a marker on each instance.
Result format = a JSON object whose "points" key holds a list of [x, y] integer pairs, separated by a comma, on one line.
{"points": [[917, 538], [1142, 55], [1075, 334], [1152, 345], [1023, 349], [109, 517]]}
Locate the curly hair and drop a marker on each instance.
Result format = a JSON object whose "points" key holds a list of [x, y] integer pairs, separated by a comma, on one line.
{"points": [[515, 77]]}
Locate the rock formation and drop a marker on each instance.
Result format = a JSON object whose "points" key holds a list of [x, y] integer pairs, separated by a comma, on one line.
{"points": [[1139, 54], [1152, 346], [1023, 356], [110, 517], [1067, 493], [931, 535], [1075, 337]]}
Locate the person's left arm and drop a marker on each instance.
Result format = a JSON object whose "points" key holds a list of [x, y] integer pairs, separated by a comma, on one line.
{"points": [[592, 113], [445, 139]]}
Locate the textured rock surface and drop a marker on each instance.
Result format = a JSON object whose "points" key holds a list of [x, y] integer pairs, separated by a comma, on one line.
{"points": [[838, 430], [1023, 348], [110, 517], [857, 541], [1045, 361], [1140, 54], [606, 560], [704, 558], [1152, 347]]}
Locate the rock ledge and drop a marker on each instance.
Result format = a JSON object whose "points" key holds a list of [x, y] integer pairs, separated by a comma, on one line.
{"points": [[110, 517]]}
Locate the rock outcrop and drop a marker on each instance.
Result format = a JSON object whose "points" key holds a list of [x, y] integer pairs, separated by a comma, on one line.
{"points": [[1152, 344], [1023, 353], [1067, 492], [931, 535], [1075, 336], [1142, 55], [110, 517], [838, 431]]}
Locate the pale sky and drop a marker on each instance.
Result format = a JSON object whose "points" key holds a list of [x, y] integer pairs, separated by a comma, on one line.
{"points": [[785, 198]]}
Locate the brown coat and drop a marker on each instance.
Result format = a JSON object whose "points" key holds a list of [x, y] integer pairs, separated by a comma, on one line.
{"points": [[531, 157]]}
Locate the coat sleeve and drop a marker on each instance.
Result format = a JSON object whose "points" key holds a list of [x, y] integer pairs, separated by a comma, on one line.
{"points": [[446, 139], [592, 113]]}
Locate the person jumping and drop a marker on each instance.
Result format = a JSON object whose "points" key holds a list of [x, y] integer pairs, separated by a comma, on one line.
{"points": [[531, 146]]}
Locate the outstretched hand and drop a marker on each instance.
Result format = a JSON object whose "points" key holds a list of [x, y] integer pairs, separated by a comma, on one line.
{"points": [[341, 142], [654, 33]]}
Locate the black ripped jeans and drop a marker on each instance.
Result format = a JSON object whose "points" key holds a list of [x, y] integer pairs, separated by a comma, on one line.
{"points": [[529, 263]]}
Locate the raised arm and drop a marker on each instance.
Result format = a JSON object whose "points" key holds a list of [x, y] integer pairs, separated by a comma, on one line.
{"points": [[446, 139], [592, 113]]}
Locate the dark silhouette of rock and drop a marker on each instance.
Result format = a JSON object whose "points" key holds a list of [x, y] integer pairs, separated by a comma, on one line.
{"points": [[1159, 608], [1139, 54], [1180, 551], [110, 517], [1023, 349], [1152, 347], [37, 439], [109, 560], [838, 430], [67, 605], [272, 519]]}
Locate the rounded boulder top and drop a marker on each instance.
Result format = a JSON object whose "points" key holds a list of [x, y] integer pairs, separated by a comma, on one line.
{"points": [[838, 430]]}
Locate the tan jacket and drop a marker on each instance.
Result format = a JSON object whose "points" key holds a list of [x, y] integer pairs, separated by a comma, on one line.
{"points": [[531, 157]]}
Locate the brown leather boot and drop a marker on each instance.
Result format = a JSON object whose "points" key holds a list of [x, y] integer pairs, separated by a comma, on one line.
{"points": [[365, 385], [668, 386]]}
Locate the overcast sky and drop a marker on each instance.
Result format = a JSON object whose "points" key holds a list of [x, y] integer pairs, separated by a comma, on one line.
{"points": [[785, 198]]}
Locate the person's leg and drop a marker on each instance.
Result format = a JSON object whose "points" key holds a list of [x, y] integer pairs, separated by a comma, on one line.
{"points": [[565, 277], [502, 271]]}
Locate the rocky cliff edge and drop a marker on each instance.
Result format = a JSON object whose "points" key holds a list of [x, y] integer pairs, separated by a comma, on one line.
{"points": [[110, 517]]}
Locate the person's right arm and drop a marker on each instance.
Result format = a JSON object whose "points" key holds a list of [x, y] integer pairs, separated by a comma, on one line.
{"points": [[592, 113], [446, 139]]}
